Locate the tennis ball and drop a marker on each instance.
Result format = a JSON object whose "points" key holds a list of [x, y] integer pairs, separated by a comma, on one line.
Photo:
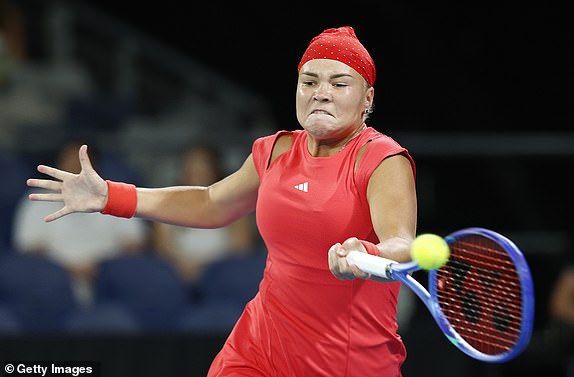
{"points": [[429, 251]]}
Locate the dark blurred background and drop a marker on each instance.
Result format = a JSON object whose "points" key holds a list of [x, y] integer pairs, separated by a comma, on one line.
{"points": [[481, 97]]}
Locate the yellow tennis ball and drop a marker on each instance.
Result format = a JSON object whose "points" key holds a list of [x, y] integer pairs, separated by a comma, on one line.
{"points": [[429, 251]]}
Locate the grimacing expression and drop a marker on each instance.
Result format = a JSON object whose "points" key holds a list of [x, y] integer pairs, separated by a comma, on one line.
{"points": [[331, 97]]}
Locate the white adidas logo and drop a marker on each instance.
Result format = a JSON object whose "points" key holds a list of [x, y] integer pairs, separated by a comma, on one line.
{"points": [[302, 186]]}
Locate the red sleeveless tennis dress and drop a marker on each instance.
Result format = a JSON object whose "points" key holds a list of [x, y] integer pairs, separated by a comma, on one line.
{"points": [[304, 321]]}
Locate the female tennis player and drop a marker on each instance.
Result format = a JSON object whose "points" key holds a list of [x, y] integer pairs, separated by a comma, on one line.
{"points": [[336, 185]]}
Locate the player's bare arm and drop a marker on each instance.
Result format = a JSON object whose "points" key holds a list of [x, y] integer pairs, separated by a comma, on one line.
{"points": [[208, 207], [391, 195], [202, 207], [392, 199]]}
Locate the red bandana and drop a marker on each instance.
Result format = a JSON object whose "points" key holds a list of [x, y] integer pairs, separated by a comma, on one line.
{"points": [[341, 44]]}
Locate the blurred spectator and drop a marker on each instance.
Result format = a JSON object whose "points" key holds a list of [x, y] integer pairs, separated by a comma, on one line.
{"points": [[34, 93], [561, 310], [79, 242], [551, 348], [192, 250], [12, 33], [562, 297]]}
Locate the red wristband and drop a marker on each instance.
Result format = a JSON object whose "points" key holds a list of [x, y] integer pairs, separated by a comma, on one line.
{"points": [[371, 248], [122, 199]]}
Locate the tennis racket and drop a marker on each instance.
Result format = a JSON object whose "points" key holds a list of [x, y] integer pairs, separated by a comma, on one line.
{"points": [[482, 298]]}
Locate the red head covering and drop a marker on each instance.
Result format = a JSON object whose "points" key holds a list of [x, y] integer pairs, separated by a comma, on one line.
{"points": [[341, 44]]}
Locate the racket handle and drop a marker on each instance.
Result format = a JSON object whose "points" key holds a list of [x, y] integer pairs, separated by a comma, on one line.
{"points": [[371, 264]]}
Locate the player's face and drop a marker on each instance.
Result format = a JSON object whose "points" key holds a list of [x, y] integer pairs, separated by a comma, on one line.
{"points": [[331, 98]]}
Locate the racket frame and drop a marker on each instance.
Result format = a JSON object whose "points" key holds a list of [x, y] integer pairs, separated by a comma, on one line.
{"points": [[527, 292], [394, 271]]}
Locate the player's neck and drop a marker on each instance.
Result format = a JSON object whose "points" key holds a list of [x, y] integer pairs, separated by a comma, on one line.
{"points": [[328, 148]]}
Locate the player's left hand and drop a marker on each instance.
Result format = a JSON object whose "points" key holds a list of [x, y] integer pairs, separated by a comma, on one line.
{"points": [[338, 261]]}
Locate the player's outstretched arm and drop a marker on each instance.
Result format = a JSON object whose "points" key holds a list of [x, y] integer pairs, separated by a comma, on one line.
{"points": [[83, 192], [195, 206], [202, 207]]}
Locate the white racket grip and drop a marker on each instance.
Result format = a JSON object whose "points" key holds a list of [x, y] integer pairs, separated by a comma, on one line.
{"points": [[371, 264]]}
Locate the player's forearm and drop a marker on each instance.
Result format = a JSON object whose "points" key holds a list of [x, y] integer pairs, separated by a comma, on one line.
{"points": [[179, 205], [202, 207], [396, 248]]}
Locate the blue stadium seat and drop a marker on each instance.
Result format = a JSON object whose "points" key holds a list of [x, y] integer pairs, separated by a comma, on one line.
{"points": [[211, 317], [146, 285], [234, 278], [37, 291], [103, 319], [98, 113], [14, 174], [224, 290], [9, 324]]}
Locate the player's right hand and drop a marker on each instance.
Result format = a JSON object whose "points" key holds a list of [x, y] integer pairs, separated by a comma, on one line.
{"points": [[338, 260]]}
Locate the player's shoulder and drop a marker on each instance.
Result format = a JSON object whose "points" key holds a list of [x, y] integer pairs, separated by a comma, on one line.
{"points": [[377, 148], [267, 148], [278, 143], [272, 139], [283, 143], [377, 139]]}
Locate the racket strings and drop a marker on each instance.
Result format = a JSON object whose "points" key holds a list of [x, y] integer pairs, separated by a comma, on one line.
{"points": [[478, 328], [473, 308], [479, 292], [475, 335], [483, 259], [496, 292], [473, 311]]}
